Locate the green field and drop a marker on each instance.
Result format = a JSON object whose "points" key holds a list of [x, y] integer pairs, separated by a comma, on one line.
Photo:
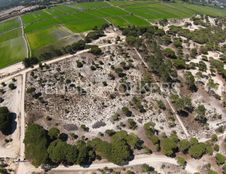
{"points": [[53, 26], [12, 45], [12, 51]]}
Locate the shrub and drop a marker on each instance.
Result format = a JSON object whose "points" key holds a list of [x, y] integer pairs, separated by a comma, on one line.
{"points": [[220, 159], [132, 124], [126, 111]]}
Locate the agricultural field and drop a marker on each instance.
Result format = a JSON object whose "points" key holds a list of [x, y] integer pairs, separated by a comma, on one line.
{"points": [[54, 27], [12, 45]]}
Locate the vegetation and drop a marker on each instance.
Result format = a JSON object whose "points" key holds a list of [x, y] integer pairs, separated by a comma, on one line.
{"points": [[220, 159], [197, 150], [36, 144], [5, 118]]}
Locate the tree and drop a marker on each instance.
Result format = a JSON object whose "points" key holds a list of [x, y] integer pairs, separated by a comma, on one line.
{"points": [[132, 124], [168, 52], [12, 86], [36, 143], [200, 114], [181, 161], [197, 150], [5, 119], [56, 151], [127, 112], [28, 62], [71, 154], [86, 153], [184, 145], [120, 152], [95, 50], [190, 81], [53, 133], [150, 133], [168, 146], [182, 104], [220, 159], [224, 169]]}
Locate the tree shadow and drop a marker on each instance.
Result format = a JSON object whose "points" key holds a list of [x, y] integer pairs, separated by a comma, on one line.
{"points": [[11, 126]]}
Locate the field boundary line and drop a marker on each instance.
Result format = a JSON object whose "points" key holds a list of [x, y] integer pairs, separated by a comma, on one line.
{"points": [[28, 49], [138, 16]]}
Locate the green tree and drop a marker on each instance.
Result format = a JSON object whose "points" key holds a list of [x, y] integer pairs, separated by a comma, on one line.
{"points": [[56, 151], [86, 153], [200, 114], [184, 145], [197, 150], [224, 169], [36, 144], [181, 161], [220, 159], [120, 152], [190, 81], [53, 133], [168, 146], [168, 52]]}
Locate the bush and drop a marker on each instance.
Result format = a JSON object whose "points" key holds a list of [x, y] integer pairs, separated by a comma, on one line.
{"points": [[220, 159], [126, 111], [132, 124]]}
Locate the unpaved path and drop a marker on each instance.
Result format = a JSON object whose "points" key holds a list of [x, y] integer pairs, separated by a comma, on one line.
{"points": [[153, 160], [28, 50], [167, 98]]}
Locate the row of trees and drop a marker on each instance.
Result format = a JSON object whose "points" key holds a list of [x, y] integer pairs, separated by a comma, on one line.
{"points": [[172, 144], [47, 147], [44, 146]]}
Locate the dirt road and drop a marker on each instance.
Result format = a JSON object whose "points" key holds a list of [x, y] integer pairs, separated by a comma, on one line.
{"points": [[167, 99]]}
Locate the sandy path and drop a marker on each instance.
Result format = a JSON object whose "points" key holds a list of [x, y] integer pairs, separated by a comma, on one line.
{"points": [[153, 160], [25, 38], [167, 99]]}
